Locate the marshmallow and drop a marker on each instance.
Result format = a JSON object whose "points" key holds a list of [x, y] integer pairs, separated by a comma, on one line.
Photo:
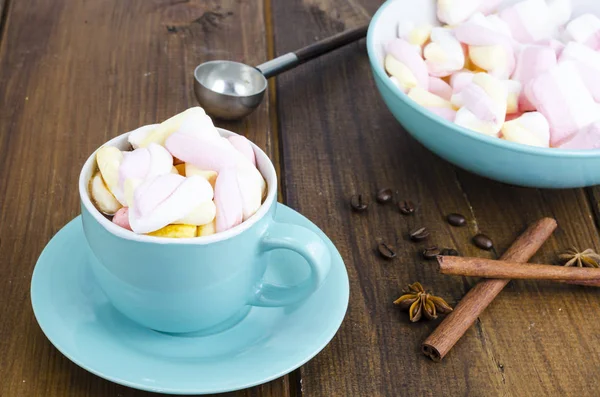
{"points": [[444, 55], [243, 145], [556, 45], [490, 44], [560, 11], [165, 199], [406, 64], [228, 200], [513, 89], [102, 197], [532, 61], [482, 104], [200, 215], [453, 12], [206, 153], [440, 88], [427, 99], [210, 176], [175, 231], [121, 218], [206, 230], [192, 121], [529, 20], [145, 163], [416, 35], [584, 29], [460, 80], [137, 136], [530, 129], [588, 65], [562, 97], [109, 160], [587, 138], [445, 113]]}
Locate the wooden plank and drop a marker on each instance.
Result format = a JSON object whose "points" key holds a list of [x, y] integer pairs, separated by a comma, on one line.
{"points": [[72, 75], [338, 139]]}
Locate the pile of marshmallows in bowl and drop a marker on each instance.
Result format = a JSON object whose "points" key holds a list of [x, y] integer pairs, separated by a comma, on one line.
{"points": [[181, 179], [529, 73]]}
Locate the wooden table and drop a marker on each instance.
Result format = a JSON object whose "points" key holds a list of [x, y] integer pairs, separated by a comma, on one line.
{"points": [[75, 73]]}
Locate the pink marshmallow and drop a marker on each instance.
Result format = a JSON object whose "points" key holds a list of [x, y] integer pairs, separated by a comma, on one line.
{"points": [[478, 102], [529, 20], [587, 138], [556, 45], [448, 114], [405, 52], [513, 116], [532, 61], [121, 218], [460, 80], [584, 29], [562, 97], [228, 200], [242, 144], [205, 152], [440, 88]]}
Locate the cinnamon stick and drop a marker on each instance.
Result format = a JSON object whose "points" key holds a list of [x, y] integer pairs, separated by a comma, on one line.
{"points": [[489, 268], [441, 340]]}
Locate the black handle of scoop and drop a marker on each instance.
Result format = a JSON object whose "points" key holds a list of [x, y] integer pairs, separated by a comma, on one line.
{"points": [[292, 59]]}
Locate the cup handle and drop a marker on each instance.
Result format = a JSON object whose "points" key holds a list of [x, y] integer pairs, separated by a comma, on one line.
{"points": [[308, 244]]}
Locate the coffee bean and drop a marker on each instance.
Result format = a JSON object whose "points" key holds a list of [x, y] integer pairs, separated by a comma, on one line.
{"points": [[406, 207], [431, 252], [484, 242], [384, 195], [419, 234], [386, 251], [357, 203], [449, 252], [456, 220]]}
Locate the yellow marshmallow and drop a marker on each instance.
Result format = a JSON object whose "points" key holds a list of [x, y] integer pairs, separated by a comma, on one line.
{"points": [[102, 197], [109, 160], [206, 230], [492, 86], [160, 134], [488, 58], [174, 170], [201, 215], [180, 169], [210, 176], [175, 231], [427, 99], [401, 72], [420, 35]]}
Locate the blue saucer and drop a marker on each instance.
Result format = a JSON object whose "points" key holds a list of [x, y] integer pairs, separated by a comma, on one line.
{"points": [[270, 342]]}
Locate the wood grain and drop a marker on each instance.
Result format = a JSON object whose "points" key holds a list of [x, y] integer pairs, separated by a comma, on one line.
{"points": [[73, 75], [338, 139]]}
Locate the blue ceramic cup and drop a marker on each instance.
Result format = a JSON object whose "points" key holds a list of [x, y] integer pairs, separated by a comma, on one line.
{"points": [[203, 284]]}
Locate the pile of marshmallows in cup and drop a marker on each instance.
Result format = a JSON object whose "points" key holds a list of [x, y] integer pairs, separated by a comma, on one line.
{"points": [[182, 179], [528, 73]]}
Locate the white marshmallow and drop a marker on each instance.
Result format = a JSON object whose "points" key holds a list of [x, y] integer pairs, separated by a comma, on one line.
{"points": [[588, 64], [453, 12], [530, 129], [137, 136], [584, 29]]}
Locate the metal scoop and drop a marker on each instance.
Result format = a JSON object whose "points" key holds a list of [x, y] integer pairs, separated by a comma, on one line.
{"points": [[232, 90]]}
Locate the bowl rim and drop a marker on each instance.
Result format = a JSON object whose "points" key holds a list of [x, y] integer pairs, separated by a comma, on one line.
{"points": [[492, 141]]}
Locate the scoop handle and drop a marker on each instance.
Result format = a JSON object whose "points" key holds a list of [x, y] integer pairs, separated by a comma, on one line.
{"points": [[292, 59]]}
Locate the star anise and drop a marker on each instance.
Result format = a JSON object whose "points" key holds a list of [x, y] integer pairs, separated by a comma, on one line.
{"points": [[587, 258], [420, 303]]}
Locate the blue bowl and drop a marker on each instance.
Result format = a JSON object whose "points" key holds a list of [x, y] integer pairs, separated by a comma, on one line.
{"points": [[491, 157]]}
